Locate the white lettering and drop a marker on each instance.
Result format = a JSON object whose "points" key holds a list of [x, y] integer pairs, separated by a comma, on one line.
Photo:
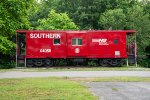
{"points": [[44, 35], [95, 40], [45, 50], [57, 35], [31, 35], [101, 41]]}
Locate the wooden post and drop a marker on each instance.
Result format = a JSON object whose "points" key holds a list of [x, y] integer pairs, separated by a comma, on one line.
{"points": [[135, 51], [127, 62], [127, 51], [16, 50], [25, 60], [25, 63]]}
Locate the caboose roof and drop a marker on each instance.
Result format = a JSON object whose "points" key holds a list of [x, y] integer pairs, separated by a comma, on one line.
{"points": [[76, 31]]}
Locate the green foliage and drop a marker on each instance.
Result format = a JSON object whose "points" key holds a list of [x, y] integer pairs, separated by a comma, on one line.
{"points": [[7, 65], [56, 21], [92, 63], [144, 62], [114, 19], [6, 46], [41, 10], [61, 62], [6, 62], [13, 15], [146, 6], [85, 13], [138, 20]]}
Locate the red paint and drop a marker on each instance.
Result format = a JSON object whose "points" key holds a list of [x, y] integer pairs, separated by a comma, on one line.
{"points": [[95, 44]]}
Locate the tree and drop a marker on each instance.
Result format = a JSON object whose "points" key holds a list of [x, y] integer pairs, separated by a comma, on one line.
{"points": [[56, 21], [146, 5], [114, 19], [85, 13], [139, 20], [13, 16], [41, 10], [6, 46]]}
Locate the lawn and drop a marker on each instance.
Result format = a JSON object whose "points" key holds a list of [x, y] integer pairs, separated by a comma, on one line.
{"points": [[43, 88]]}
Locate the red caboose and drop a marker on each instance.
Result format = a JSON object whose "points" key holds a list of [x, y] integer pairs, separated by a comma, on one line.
{"points": [[43, 48]]}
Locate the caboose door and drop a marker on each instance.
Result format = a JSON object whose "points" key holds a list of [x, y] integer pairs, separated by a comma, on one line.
{"points": [[77, 44]]}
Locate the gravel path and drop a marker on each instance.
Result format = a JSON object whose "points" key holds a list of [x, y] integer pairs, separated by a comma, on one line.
{"points": [[120, 90], [19, 74]]}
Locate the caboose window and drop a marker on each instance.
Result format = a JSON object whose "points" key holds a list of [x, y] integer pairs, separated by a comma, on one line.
{"points": [[79, 41], [76, 41], [73, 41], [115, 41], [56, 41]]}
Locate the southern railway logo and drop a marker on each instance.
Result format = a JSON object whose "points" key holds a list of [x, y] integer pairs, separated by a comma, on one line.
{"points": [[101, 41]]}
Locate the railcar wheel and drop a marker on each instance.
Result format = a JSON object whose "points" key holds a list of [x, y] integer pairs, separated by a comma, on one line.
{"points": [[104, 62], [115, 62], [49, 62], [30, 63], [38, 62]]}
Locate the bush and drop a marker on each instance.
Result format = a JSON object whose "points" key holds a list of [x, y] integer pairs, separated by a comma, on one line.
{"points": [[6, 62], [92, 63], [61, 62], [144, 61], [7, 65]]}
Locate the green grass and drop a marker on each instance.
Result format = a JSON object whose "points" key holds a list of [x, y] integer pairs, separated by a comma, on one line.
{"points": [[133, 68], [43, 88], [113, 79]]}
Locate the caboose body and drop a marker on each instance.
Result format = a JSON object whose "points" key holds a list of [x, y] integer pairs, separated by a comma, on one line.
{"points": [[107, 47]]}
